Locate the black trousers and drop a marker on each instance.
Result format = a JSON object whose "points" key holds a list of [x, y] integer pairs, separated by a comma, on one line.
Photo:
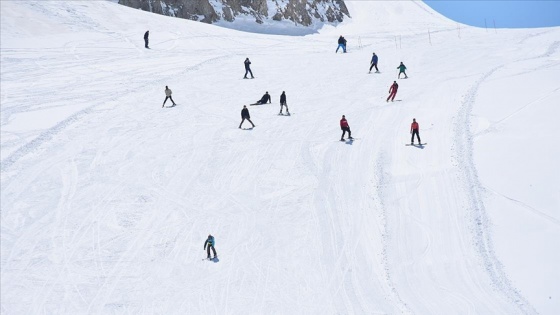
{"points": [[245, 118], [208, 250], [415, 132], [146, 42], [373, 65], [168, 97], [248, 71], [344, 129]]}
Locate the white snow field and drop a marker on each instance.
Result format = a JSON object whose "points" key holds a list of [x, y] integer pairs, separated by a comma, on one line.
{"points": [[107, 198]]}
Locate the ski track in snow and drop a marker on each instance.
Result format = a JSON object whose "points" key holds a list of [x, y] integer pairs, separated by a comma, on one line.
{"points": [[479, 220]]}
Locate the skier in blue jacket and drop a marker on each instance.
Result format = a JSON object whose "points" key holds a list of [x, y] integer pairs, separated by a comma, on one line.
{"points": [[373, 62], [210, 244]]}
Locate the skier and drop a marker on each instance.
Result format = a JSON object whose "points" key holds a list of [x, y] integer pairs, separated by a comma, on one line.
{"points": [[264, 99], [341, 44], [345, 127], [245, 116], [393, 91], [248, 69], [209, 244], [374, 63], [283, 103], [146, 39], [167, 96], [414, 130], [401, 68]]}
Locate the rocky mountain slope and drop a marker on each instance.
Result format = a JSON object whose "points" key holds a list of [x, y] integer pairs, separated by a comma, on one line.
{"points": [[300, 12]]}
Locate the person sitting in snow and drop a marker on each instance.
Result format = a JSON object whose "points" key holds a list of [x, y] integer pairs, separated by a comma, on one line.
{"points": [[264, 99]]}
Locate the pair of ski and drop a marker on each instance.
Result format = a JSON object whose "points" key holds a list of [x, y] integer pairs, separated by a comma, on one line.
{"points": [[416, 145]]}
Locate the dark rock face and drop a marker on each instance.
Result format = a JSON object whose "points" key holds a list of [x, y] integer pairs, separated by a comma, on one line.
{"points": [[301, 12]]}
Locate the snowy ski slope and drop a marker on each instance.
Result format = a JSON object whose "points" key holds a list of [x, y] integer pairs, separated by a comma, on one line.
{"points": [[106, 198]]}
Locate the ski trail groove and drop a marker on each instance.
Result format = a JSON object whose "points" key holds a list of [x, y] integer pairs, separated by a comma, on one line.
{"points": [[463, 154]]}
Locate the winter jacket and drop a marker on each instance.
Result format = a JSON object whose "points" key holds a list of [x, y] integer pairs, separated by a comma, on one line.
{"points": [[374, 59], [245, 113], [401, 67], [414, 126], [146, 35], [265, 99], [342, 40], [394, 88], [343, 123], [247, 63], [209, 242], [283, 98], [167, 92]]}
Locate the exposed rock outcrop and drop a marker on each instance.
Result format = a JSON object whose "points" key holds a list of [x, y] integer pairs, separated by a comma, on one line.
{"points": [[300, 12]]}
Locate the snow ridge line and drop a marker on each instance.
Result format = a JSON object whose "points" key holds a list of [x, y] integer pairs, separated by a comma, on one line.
{"points": [[381, 181], [50, 133], [480, 224]]}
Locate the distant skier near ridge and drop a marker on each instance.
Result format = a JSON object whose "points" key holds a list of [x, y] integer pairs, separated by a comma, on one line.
{"points": [[168, 96], [264, 99], [245, 116], [146, 35], [345, 128], [393, 91], [402, 68], [414, 130], [248, 69], [283, 103], [209, 244], [341, 44], [373, 62]]}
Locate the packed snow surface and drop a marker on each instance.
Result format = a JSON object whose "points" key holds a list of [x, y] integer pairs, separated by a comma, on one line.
{"points": [[107, 198]]}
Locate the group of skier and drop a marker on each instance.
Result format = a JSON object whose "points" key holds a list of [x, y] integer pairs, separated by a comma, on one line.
{"points": [[266, 98]]}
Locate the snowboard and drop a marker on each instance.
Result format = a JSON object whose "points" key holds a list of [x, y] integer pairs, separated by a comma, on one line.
{"points": [[215, 259]]}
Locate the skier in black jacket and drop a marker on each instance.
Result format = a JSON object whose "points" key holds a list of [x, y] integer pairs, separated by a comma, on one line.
{"points": [[264, 99], [283, 103], [245, 116], [341, 44], [248, 69], [146, 35]]}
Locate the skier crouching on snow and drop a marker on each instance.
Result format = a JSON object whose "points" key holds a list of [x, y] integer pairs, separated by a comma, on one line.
{"points": [[345, 127], [414, 130], [209, 244], [283, 103], [264, 99]]}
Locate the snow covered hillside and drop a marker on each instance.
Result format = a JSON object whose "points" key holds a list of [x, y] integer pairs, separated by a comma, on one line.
{"points": [[107, 198]]}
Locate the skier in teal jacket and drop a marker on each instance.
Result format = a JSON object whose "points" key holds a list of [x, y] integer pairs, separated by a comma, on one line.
{"points": [[210, 244], [401, 68]]}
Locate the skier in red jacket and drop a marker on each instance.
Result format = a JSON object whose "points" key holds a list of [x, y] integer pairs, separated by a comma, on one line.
{"points": [[345, 127], [414, 130], [393, 91]]}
